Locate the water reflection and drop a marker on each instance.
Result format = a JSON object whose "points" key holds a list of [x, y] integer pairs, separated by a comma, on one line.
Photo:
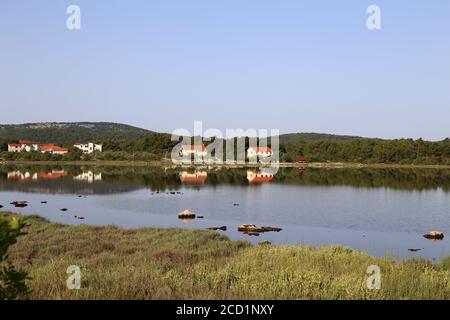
{"points": [[355, 207], [259, 176], [111, 179], [62, 180], [88, 176], [22, 176], [196, 178], [19, 176]]}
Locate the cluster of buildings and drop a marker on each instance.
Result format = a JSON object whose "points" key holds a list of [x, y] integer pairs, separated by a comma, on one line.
{"points": [[29, 146], [200, 151]]}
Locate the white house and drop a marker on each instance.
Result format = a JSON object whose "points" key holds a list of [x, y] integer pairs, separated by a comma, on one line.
{"points": [[23, 145], [15, 147], [192, 149], [260, 152], [89, 147]]}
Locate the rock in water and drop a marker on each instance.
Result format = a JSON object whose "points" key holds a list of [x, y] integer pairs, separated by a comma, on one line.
{"points": [[271, 229], [434, 235], [64, 209], [19, 204], [186, 214], [255, 229], [223, 228], [250, 228]]}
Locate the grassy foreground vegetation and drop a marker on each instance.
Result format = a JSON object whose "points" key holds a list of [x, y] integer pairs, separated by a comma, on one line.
{"points": [[152, 263]]}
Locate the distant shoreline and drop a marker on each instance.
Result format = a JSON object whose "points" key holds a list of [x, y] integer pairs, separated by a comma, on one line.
{"points": [[166, 163]]}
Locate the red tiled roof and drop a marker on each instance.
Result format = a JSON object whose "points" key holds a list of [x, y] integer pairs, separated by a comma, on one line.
{"points": [[52, 147], [193, 147], [262, 149]]}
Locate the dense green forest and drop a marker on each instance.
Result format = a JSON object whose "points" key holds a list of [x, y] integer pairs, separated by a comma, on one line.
{"points": [[312, 137], [403, 151]]}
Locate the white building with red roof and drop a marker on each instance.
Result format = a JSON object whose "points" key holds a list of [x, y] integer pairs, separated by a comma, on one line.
{"points": [[52, 149], [193, 149], [23, 145], [260, 152]]}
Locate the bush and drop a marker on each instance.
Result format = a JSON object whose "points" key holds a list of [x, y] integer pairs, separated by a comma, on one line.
{"points": [[12, 282]]}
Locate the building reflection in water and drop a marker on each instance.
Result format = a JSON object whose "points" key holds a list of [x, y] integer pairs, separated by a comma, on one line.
{"points": [[23, 176], [261, 176], [20, 176], [54, 174], [196, 178], [88, 176]]}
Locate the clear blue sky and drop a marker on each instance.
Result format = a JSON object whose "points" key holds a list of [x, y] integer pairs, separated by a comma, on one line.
{"points": [[290, 64]]}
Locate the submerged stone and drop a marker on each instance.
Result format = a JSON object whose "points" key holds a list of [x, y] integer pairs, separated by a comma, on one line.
{"points": [[223, 228], [434, 235]]}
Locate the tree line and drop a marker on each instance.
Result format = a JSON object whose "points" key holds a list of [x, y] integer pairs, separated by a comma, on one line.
{"points": [[402, 151], [362, 150]]}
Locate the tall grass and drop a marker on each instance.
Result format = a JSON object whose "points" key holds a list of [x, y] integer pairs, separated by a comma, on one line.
{"points": [[153, 263]]}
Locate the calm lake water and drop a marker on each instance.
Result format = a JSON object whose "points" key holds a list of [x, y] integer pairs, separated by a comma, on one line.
{"points": [[379, 211]]}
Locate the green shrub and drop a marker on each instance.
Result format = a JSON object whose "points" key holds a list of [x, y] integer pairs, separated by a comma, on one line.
{"points": [[12, 282]]}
